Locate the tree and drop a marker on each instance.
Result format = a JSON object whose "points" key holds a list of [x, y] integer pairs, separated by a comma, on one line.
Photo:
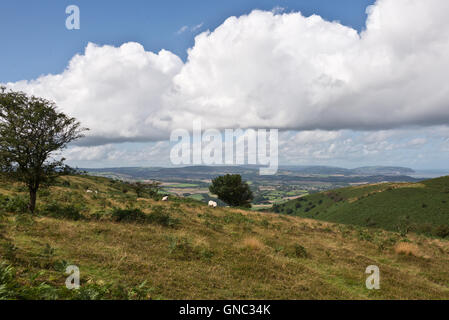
{"points": [[31, 131], [146, 189], [231, 189]]}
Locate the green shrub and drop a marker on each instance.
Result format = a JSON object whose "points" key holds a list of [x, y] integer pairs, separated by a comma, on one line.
{"points": [[160, 216], [298, 251], [442, 231], [43, 192], [8, 283], [425, 228], [25, 220], [9, 251], [17, 204], [21, 188], [98, 215], [182, 248], [128, 215], [57, 210]]}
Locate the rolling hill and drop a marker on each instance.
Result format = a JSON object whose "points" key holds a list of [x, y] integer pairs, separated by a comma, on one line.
{"points": [[140, 248], [421, 207], [286, 173]]}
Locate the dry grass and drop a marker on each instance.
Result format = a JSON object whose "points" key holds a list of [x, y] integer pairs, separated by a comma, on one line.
{"points": [[252, 243], [202, 258], [406, 248]]}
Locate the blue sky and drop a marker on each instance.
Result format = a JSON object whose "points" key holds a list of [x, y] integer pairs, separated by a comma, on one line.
{"points": [[35, 40], [349, 88]]}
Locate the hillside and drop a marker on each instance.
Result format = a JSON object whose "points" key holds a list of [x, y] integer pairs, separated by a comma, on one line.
{"points": [[362, 171], [129, 248], [421, 207]]}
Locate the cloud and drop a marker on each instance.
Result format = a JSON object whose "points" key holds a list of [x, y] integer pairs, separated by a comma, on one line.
{"points": [[197, 27], [116, 92], [416, 142], [267, 70], [148, 154], [182, 29], [192, 29], [292, 72], [278, 9], [316, 136]]}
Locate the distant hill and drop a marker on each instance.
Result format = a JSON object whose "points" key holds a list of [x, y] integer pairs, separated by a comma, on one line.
{"points": [[362, 171], [421, 207], [394, 171], [285, 173]]}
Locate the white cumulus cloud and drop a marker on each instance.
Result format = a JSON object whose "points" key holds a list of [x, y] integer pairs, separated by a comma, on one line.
{"points": [[270, 70]]}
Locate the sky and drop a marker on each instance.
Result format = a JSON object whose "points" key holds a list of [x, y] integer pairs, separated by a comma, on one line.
{"points": [[37, 41], [347, 83]]}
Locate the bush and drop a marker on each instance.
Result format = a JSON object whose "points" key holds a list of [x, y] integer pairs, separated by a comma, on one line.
{"points": [[424, 228], [98, 215], [182, 248], [17, 204], [128, 215], [56, 210], [43, 192], [442, 231], [300, 251], [297, 251], [151, 190], [8, 283], [160, 216], [66, 183], [23, 220]]}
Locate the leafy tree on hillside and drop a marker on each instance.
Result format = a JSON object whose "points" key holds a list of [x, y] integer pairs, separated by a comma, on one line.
{"points": [[231, 189], [146, 189], [31, 131]]}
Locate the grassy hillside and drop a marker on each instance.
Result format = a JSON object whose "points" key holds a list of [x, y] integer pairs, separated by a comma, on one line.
{"points": [[129, 248], [421, 207]]}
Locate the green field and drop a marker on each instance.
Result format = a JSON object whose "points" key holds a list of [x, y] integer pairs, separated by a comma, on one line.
{"points": [[197, 196], [181, 185]]}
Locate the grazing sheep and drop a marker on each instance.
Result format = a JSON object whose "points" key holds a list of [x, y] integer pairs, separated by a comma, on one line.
{"points": [[89, 191], [212, 204], [165, 198]]}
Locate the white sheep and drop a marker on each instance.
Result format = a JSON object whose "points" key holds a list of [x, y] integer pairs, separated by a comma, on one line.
{"points": [[165, 198], [212, 204], [89, 191]]}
